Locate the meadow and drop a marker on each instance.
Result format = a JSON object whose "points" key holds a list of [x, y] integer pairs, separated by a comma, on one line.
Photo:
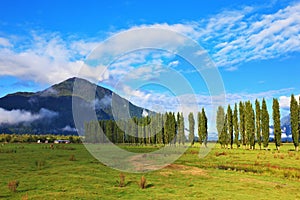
{"points": [[68, 171]]}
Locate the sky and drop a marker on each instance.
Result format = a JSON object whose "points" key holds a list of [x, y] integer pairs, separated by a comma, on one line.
{"points": [[254, 48]]}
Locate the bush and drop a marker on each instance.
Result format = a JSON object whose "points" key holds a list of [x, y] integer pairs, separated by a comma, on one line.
{"points": [[143, 183], [40, 164], [72, 158], [122, 180], [12, 185]]}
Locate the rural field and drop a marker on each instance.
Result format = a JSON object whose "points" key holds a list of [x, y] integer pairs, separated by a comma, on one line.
{"points": [[68, 171]]}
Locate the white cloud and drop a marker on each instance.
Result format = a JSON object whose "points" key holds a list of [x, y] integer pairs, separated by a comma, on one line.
{"points": [[231, 37], [5, 42], [22, 116], [173, 63], [69, 128], [284, 101]]}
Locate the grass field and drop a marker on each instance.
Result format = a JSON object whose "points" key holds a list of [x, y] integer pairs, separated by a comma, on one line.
{"points": [[70, 172]]}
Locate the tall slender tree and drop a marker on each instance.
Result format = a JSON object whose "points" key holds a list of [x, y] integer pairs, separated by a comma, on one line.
{"points": [[294, 121], [202, 127], [182, 135], [191, 128], [250, 124], [242, 123], [224, 134], [265, 124], [199, 116], [258, 122], [235, 122], [220, 124], [276, 120], [230, 126]]}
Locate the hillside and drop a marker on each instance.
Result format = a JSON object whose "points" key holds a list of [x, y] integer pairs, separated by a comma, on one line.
{"points": [[50, 110]]}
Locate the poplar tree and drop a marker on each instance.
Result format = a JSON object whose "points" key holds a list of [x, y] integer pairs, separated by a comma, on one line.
{"points": [[250, 125], [294, 121], [235, 122], [220, 123], [258, 123], [199, 116], [276, 120], [181, 129], [224, 134], [202, 127], [265, 124], [191, 128], [242, 123], [230, 126]]}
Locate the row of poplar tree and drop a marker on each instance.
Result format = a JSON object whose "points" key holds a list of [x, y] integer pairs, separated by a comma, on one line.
{"points": [[167, 128], [247, 125]]}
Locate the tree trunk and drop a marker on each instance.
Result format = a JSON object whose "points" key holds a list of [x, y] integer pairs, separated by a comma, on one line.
{"points": [[278, 148], [296, 148]]}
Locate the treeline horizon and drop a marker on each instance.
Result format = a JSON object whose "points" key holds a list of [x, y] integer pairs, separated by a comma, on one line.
{"points": [[167, 128], [247, 124]]}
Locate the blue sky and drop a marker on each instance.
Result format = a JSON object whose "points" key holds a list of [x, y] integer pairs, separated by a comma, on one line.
{"points": [[255, 46]]}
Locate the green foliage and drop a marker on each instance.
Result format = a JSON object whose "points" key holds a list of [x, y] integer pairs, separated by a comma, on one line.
{"points": [[191, 128], [258, 123], [180, 129], [202, 127], [250, 124], [223, 139], [265, 124], [235, 122], [187, 178], [220, 124], [242, 123], [276, 121], [294, 120], [27, 138], [230, 127], [40, 164]]}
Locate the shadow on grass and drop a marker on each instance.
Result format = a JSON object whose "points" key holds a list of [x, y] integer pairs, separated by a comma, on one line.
{"points": [[149, 186]]}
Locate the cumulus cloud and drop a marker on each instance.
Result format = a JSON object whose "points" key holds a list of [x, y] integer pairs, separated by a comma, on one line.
{"points": [[231, 37], [284, 101], [243, 36], [21, 116], [44, 58], [5, 42], [102, 103], [69, 129]]}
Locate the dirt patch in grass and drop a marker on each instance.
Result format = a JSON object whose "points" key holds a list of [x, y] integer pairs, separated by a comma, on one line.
{"points": [[140, 163], [256, 181], [188, 170]]}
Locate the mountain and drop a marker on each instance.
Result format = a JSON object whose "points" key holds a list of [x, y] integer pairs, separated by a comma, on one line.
{"points": [[50, 110]]}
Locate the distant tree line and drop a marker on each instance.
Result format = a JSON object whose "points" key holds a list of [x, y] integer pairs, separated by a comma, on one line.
{"points": [[28, 138], [166, 129], [248, 124]]}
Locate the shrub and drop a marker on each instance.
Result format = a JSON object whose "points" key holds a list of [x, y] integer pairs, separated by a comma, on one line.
{"points": [[12, 185], [72, 158], [143, 183], [122, 180], [40, 164]]}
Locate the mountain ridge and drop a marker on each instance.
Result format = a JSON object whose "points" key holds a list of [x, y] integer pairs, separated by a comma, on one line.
{"points": [[50, 110]]}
